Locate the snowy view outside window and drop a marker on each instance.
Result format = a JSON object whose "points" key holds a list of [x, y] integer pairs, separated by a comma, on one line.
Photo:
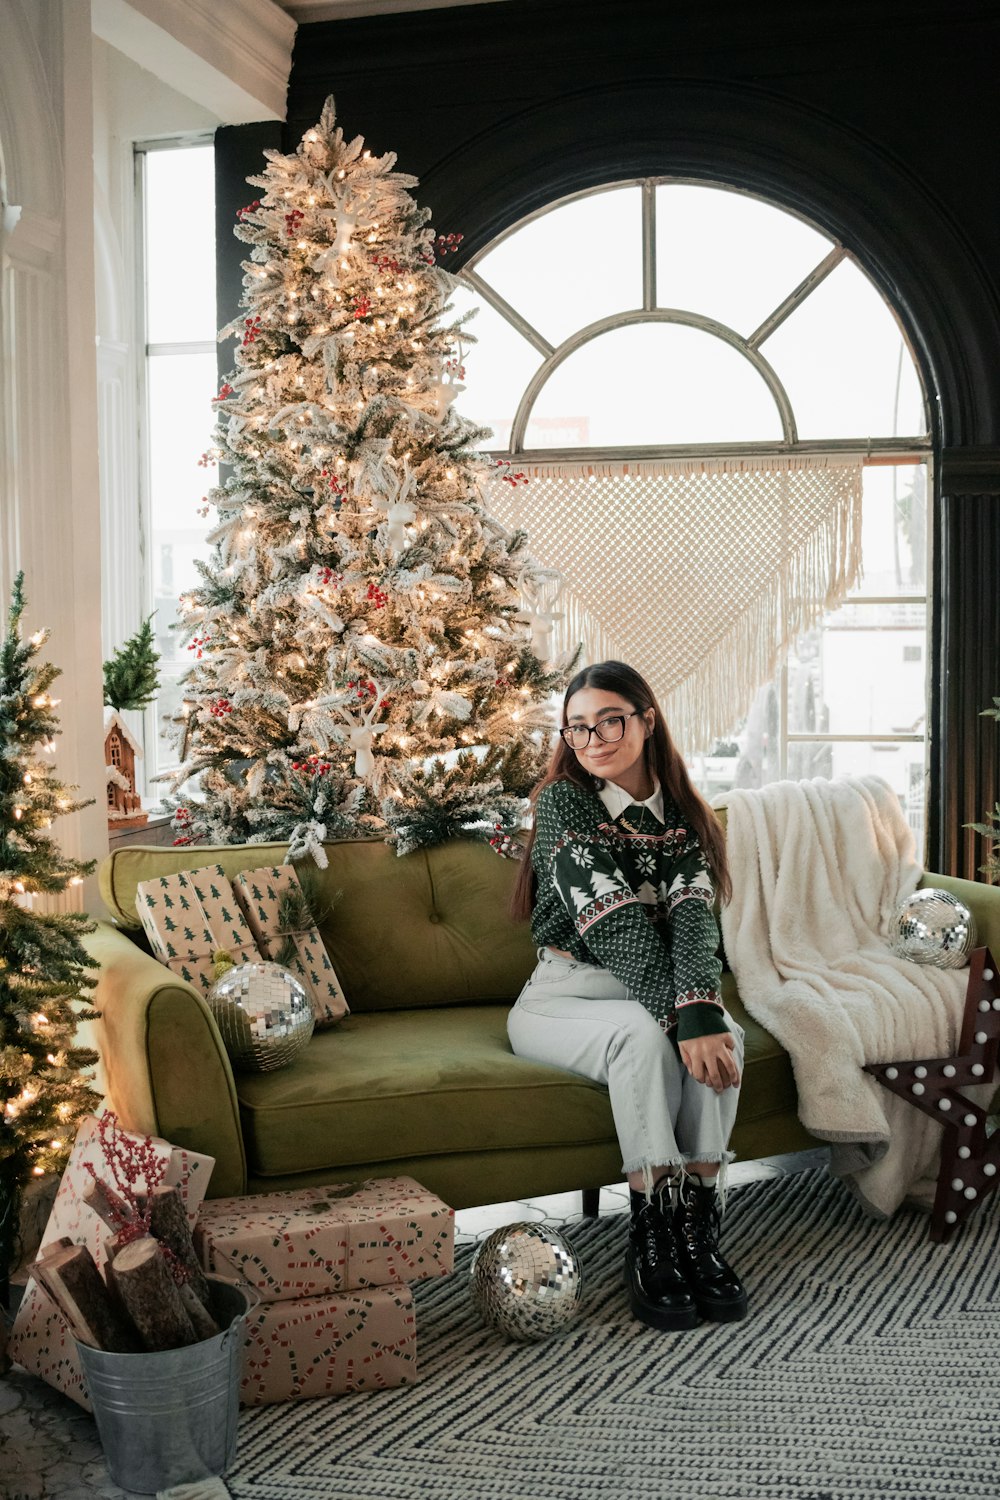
{"points": [[181, 380], [743, 275]]}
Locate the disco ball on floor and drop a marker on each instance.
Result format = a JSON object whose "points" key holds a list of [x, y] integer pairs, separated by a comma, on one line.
{"points": [[933, 927], [526, 1282]]}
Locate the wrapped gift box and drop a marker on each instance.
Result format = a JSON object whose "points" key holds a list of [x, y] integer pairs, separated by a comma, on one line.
{"points": [[259, 893], [319, 1240], [189, 917], [325, 1346], [40, 1340]]}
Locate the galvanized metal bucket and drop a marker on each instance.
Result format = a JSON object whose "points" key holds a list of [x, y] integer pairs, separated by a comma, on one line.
{"points": [[170, 1417]]}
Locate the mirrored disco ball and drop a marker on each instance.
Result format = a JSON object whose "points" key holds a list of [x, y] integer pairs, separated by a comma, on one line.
{"points": [[933, 927], [264, 1015], [526, 1282]]}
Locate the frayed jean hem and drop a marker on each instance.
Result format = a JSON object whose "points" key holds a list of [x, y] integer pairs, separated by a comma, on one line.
{"points": [[677, 1168]]}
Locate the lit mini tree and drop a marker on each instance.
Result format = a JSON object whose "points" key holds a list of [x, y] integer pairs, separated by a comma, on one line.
{"points": [[360, 664], [45, 1087]]}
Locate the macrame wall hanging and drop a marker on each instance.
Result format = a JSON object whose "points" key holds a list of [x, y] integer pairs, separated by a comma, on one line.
{"points": [[698, 573]]}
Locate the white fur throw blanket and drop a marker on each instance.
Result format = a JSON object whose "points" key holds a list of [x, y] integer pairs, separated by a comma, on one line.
{"points": [[818, 868]]}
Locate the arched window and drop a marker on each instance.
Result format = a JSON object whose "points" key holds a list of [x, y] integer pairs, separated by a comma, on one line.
{"points": [[671, 322]]}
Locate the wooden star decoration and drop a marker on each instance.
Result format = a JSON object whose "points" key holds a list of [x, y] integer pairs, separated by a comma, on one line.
{"points": [[970, 1159]]}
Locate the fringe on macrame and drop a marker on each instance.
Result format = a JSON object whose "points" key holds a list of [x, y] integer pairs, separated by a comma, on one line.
{"points": [[813, 577]]}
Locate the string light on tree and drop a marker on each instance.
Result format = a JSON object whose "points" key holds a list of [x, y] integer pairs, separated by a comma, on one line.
{"points": [[352, 543], [45, 1084]]}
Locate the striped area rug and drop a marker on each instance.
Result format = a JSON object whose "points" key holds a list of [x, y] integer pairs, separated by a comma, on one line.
{"points": [[868, 1367]]}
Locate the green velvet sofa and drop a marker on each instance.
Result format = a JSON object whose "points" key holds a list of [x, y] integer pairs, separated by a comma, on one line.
{"points": [[420, 1078]]}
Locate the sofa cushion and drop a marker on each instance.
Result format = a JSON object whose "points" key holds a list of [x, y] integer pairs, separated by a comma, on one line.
{"points": [[437, 1081], [768, 1085], [412, 1083]]}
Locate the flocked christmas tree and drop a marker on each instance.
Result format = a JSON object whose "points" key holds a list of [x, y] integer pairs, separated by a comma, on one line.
{"points": [[360, 663], [44, 1083]]}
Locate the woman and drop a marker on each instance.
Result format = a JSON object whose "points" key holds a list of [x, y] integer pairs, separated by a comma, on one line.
{"points": [[619, 881]]}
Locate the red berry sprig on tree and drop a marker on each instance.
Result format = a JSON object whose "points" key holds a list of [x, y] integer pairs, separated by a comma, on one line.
{"points": [[504, 843], [220, 707], [247, 209], [292, 222], [362, 306], [507, 474], [313, 765], [444, 244], [387, 263], [377, 596], [252, 326]]}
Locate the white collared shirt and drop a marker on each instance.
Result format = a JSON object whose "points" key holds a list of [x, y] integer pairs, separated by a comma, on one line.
{"points": [[616, 800]]}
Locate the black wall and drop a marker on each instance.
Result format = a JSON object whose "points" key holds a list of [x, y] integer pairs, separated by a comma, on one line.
{"points": [[877, 119]]}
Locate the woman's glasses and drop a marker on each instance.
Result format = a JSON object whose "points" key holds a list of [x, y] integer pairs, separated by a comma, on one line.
{"points": [[577, 736]]}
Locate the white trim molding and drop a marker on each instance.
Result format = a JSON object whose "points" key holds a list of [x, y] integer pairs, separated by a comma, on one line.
{"points": [[233, 57]]}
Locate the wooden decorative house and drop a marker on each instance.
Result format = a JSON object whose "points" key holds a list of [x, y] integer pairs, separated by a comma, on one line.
{"points": [[121, 750]]}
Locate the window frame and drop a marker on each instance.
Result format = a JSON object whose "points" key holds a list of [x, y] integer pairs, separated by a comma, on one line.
{"points": [[887, 449], [873, 452]]}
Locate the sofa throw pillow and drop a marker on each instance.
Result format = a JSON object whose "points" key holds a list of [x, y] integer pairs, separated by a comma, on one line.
{"points": [[189, 918], [277, 911]]}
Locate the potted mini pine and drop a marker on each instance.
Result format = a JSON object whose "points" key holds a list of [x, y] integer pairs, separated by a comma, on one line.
{"points": [[130, 684]]}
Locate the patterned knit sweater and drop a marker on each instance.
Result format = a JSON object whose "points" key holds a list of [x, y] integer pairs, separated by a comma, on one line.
{"points": [[633, 896]]}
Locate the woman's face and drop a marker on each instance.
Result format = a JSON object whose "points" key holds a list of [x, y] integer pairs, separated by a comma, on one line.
{"points": [[623, 760]]}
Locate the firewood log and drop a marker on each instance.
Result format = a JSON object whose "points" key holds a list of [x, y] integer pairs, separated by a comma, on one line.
{"points": [[47, 1250], [202, 1321], [74, 1283], [169, 1222], [106, 1203], [151, 1296]]}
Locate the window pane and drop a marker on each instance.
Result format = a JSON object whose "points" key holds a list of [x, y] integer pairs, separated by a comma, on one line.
{"points": [[864, 672], [180, 245], [903, 766], [573, 265], [180, 424], [746, 760], [844, 364], [894, 530], [728, 256], [653, 383], [497, 368]]}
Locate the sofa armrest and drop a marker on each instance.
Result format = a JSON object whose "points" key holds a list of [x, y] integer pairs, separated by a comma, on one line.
{"points": [[983, 902], [163, 1064]]}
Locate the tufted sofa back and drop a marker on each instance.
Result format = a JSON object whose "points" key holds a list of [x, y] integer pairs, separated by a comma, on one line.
{"points": [[425, 929]]}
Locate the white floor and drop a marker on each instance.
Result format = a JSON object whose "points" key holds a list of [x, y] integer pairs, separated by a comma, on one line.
{"points": [[473, 1224]]}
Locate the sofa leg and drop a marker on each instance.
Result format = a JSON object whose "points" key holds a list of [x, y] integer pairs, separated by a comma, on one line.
{"points": [[591, 1202]]}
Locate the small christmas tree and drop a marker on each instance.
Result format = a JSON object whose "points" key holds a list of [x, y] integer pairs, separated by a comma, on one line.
{"points": [[360, 666], [44, 1086], [130, 675]]}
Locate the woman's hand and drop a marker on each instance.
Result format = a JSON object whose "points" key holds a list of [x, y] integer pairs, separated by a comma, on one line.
{"points": [[709, 1059]]}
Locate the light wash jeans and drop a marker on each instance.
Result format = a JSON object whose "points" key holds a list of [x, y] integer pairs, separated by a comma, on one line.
{"points": [[578, 1016]]}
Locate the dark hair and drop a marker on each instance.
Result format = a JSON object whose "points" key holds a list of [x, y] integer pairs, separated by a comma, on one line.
{"points": [[663, 760]]}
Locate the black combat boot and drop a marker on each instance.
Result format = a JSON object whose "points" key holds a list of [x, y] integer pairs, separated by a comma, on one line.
{"points": [[718, 1293], [658, 1292]]}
